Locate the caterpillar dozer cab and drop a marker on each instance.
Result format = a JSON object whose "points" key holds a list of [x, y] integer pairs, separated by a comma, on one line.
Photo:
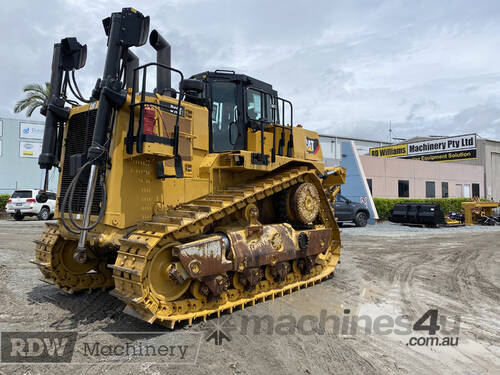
{"points": [[183, 203]]}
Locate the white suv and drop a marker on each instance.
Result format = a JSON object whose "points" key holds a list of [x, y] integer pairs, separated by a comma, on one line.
{"points": [[25, 203]]}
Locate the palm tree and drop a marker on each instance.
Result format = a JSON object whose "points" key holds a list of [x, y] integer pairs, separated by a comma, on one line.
{"points": [[36, 96]]}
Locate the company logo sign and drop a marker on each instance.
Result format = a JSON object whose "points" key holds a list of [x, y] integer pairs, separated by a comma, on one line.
{"points": [[30, 149], [390, 151], [440, 149], [455, 144], [99, 347], [37, 347], [31, 131]]}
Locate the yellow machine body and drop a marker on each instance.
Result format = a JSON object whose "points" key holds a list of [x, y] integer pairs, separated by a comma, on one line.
{"points": [[204, 173], [475, 209], [232, 228]]}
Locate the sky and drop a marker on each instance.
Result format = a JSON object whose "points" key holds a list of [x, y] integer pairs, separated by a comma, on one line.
{"points": [[350, 68]]}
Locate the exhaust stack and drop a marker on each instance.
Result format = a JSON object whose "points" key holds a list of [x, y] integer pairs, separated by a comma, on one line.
{"points": [[163, 56], [132, 62]]}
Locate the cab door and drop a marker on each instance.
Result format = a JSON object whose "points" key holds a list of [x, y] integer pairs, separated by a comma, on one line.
{"points": [[227, 128]]}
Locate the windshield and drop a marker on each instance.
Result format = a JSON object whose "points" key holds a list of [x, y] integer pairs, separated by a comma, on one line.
{"points": [[21, 194], [224, 117]]}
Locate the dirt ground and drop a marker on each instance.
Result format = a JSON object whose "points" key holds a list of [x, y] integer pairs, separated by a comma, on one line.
{"points": [[388, 274]]}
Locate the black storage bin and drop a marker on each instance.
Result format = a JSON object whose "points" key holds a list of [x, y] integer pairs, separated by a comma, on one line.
{"points": [[417, 213]]}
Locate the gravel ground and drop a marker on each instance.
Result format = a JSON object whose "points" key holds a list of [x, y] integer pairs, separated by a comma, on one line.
{"points": [[389, 274], [386, 228]]}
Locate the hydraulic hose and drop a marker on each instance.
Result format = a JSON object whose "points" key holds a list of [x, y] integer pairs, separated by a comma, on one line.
{"points": [[70, 193], [76, 91]]}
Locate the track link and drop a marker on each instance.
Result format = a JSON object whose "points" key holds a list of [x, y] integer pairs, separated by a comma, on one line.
{"points": [[130, 271]]}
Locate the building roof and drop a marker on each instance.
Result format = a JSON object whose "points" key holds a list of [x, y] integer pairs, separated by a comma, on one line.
{"points": [[354, 139], [488, 139], [421, 138], [25, 119], [428, 138]]}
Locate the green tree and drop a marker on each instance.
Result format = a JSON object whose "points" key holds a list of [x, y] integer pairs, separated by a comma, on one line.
{"points": [[36, 95]]}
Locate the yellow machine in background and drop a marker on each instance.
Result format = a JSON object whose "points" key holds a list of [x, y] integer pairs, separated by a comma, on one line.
{"points": [[201, 200], [475, 210]]}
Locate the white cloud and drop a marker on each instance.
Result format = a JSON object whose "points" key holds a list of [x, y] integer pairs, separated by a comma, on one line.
{"points": [[350, 67]]}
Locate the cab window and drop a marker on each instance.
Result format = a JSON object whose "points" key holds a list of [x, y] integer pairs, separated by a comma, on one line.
{"points": [[259, 105], [224, 116], [269, 108], [254, 104]]}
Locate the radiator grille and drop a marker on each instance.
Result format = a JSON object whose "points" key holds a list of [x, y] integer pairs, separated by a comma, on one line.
{"points": [[78, 141]]}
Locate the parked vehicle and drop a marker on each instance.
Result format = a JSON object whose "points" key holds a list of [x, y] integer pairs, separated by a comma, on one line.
{"points": [[349, 211], [27, 203]]}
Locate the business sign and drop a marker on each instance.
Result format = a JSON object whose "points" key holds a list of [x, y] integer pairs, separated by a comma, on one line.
{"points": [[438, 149], [31, 131], [390, 151], [30, 149]]}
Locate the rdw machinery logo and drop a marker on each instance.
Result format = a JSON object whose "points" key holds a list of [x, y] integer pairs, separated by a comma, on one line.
{"points": [[37, 347]]}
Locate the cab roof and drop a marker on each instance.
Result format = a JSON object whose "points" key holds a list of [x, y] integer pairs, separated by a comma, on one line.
{"points": [[233, 76]]}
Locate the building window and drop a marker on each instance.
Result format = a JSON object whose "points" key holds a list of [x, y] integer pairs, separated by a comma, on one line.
{"points": [[430, 189], [475, 190], [444, 189], [369, 182], [467, 191], [403, 188]]}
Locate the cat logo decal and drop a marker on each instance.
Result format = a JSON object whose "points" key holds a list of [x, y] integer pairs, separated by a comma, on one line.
{"points": [[312, 145]]}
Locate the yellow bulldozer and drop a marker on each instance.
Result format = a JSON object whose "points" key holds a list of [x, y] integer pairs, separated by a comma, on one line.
{"points": [[184, 203]]}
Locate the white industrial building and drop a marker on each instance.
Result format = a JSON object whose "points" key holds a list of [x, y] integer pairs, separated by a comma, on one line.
{"points": [[332, 150]]}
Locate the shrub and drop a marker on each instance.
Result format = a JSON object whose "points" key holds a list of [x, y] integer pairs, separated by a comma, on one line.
{"points": [[3, 201], [384, 206]]}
